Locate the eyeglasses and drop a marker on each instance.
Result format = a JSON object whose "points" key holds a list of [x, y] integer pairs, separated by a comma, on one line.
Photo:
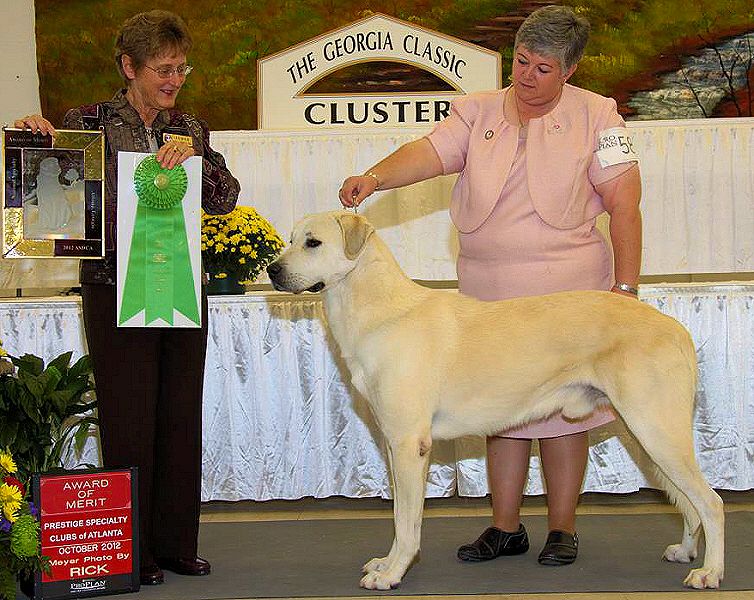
{"points": [[168, 72]]}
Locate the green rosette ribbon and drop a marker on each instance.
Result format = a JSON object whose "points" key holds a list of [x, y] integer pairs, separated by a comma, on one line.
{"points": [[159, 276]]}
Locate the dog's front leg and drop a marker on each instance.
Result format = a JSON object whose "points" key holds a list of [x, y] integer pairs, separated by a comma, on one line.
{"points": [[409, 459]]}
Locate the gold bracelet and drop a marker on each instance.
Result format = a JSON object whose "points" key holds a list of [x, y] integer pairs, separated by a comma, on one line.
{"points": [[376, 179], [624, 287]]}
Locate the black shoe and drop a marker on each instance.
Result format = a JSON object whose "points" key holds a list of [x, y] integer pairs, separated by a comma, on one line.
{"points": [[151, 575], [561, 548], [186, 566], [495, 542]]}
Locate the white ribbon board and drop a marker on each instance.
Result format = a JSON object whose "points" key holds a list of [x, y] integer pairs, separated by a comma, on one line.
{"points": [[127, 204]]}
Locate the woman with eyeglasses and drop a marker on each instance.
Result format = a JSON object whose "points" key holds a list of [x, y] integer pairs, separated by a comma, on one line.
{"points": [[150, 381]]}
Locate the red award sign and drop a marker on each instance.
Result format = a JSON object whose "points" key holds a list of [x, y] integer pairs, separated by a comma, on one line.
{"points": [[89, 525]]}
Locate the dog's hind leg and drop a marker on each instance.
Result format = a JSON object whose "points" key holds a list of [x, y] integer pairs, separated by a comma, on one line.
{"points": [[409, 459], [687, 550], [670, 446]]}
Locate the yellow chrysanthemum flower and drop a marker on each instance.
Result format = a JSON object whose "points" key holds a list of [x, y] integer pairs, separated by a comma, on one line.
{"points": [[10, 501], [11, 512], [239, 244], [7, 463]]}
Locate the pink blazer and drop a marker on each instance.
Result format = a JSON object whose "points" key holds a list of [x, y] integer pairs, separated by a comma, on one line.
{"points": [[561, 162]]}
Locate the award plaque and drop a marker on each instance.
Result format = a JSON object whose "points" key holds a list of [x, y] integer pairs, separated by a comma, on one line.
{"points": [[90, 531], [53, 194]]}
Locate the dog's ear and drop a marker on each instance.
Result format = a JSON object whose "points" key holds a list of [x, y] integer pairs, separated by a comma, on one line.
{"points": [[356, 230]]}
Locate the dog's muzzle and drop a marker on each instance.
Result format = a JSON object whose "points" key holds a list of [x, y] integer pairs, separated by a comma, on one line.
{"points": [[276, 272]]}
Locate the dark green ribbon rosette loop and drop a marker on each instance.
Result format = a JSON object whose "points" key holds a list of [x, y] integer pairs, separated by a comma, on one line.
{"points": [[159, 277]]}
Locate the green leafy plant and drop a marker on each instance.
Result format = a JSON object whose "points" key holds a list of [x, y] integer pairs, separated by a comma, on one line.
{"points": [[45, 411]]}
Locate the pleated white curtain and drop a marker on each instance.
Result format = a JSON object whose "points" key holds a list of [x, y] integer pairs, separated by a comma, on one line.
{"points": [[697, 178], [698, 195]]}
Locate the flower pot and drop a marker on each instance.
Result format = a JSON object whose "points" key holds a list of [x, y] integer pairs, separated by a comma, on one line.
{"points": [[26, 585], [240, 243], [224, 286]]}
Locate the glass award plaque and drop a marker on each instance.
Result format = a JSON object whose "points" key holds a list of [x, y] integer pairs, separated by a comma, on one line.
{"points": [[53, 194]]}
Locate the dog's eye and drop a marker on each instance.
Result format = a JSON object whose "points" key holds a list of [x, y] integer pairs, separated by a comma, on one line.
{"points": [[312, 243]]}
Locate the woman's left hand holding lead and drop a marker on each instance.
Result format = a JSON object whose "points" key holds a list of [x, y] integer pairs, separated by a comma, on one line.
{"points": [[173, 153]]}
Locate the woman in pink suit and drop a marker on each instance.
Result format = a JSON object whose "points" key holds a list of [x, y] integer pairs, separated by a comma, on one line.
{"points": [[538, 161]]}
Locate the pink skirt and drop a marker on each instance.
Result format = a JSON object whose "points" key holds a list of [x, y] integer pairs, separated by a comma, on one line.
{"points": [[504, 260]]}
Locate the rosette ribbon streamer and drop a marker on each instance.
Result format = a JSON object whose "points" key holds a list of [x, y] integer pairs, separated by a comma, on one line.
{"points": [[159, 276]]}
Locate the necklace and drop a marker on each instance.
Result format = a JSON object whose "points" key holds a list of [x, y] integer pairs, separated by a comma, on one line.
{"points": [[538, 111]]}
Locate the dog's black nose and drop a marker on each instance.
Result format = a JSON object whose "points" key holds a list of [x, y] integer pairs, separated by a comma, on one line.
{"points": [[274, 268]]}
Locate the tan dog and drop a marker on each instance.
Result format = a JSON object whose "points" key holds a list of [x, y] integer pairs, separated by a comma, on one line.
{"points": [[437, 365]]}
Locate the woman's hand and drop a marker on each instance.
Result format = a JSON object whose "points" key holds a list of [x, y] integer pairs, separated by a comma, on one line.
{"points": [[37, 123], [173, 153], [414, 161], [356, 188]]}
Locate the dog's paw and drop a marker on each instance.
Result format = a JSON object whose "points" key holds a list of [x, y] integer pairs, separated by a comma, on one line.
{"points": [[380, 580], [703, 578], [376, 564], [678, 553]]}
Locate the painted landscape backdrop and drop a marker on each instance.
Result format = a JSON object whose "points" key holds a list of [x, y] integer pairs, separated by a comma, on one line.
{"points": [[660, 59]]}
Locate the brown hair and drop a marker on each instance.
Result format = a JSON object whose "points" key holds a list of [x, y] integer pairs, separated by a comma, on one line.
{"points": [[150, 34]]}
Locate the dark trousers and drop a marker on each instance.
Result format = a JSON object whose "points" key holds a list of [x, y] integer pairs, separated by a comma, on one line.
{"points": [[149, 388]]}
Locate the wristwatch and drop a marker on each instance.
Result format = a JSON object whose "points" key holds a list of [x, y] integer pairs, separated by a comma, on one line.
{"points": [[624, 287]]}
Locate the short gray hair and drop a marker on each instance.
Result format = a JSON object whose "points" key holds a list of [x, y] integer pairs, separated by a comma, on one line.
{"points": [[557, 32]]}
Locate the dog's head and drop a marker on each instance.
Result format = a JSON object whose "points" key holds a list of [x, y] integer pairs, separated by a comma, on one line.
{"points": [[324, 248]]}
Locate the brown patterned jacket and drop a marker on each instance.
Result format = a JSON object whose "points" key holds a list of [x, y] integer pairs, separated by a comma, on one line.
{"points": [[125, 131]]}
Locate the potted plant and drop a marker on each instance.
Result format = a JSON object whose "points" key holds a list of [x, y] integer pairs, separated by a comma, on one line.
{"points": [[236, 247], [45, 411]]}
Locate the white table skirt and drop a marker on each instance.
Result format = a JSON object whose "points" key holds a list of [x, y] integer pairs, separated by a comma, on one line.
{"points": [[280, 421]]}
